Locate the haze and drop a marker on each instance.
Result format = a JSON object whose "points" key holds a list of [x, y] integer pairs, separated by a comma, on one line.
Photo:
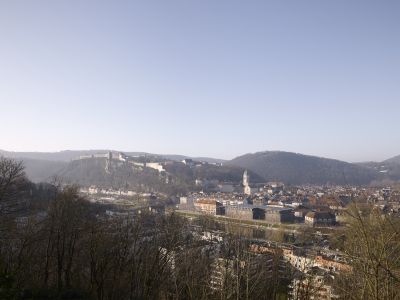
{"points": [[202, 78]]}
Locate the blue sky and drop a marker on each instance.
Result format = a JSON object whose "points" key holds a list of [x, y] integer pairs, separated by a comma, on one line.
{"points": [[204, 78]]}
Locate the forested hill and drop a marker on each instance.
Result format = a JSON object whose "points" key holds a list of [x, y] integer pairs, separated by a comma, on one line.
{"points": [[290, 168], [293, 168]]}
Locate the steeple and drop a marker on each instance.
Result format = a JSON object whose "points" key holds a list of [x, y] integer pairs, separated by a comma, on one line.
{"points": [[246, 178]]}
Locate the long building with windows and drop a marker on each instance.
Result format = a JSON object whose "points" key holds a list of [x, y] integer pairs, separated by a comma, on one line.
{"points": [[208, 206], [267, 213]]}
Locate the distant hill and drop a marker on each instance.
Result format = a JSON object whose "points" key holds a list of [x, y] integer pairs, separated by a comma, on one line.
{"points": [[68, 155], [178, 177], [93, 171], [388, 169], [43, 166], [291, 168], [296, 168], [209, 172], [395, 160], [178, 157], [39, 170]]}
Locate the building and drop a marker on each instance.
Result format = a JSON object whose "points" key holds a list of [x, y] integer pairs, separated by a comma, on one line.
{"points": [[300, 213], [331, 265], [277, 265], [298, 260], [246, 178], [244, 212], [268, 213], [156, 166], [208, 206], [313, 287], [183, 200], [277, 214], [320, 218], [247, 189]]}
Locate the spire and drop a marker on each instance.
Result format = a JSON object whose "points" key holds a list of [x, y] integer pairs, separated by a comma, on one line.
{"points": [[246, 178]]}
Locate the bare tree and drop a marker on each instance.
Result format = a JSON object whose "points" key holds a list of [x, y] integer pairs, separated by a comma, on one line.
{"points": [[372, 246], [11, 175]]}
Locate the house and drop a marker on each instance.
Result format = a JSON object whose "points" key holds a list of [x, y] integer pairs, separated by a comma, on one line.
{"points": [[331, 265], [320, 218], [300, 212], [314, 285], [208, 206]]}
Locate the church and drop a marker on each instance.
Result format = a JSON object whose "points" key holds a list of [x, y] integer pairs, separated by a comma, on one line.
{"points": [[247, 189]]}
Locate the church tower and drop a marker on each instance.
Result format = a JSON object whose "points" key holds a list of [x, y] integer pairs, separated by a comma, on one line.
{"points": [[246, 178], [246, 183]]}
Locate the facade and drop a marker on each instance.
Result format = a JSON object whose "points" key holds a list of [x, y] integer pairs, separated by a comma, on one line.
{"points": [[222, 274], [300, 213], [313, 288], [275, 214], [208, 206], [183, 200], [271, 214], [320, 218], [331, 265], [244, 212], [277, 265], [156, 166], [299, 261]]}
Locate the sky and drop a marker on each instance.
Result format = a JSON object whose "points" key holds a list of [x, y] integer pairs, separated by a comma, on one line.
{"points": [[202, 78]]}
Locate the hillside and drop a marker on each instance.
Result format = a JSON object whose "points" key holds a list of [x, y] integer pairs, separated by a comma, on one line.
{"points": [[395, 160], [39, 170], [288, 167], [43, 166], [388, 169], [66, 155], [94, 171], [293, 168]]}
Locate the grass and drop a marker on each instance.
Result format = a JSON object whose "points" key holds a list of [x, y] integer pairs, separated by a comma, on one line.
{"points": [[243, 222]]}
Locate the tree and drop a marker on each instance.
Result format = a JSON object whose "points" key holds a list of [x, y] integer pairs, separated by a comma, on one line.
{"points": [[372, 246], [11, 177]]}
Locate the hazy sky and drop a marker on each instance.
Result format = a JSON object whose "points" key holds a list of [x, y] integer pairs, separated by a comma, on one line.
{"points": [[210, 78]]}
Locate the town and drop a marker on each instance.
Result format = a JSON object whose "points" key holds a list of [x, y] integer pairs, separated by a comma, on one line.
{"points": [[272, 217], [199, 150]]}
